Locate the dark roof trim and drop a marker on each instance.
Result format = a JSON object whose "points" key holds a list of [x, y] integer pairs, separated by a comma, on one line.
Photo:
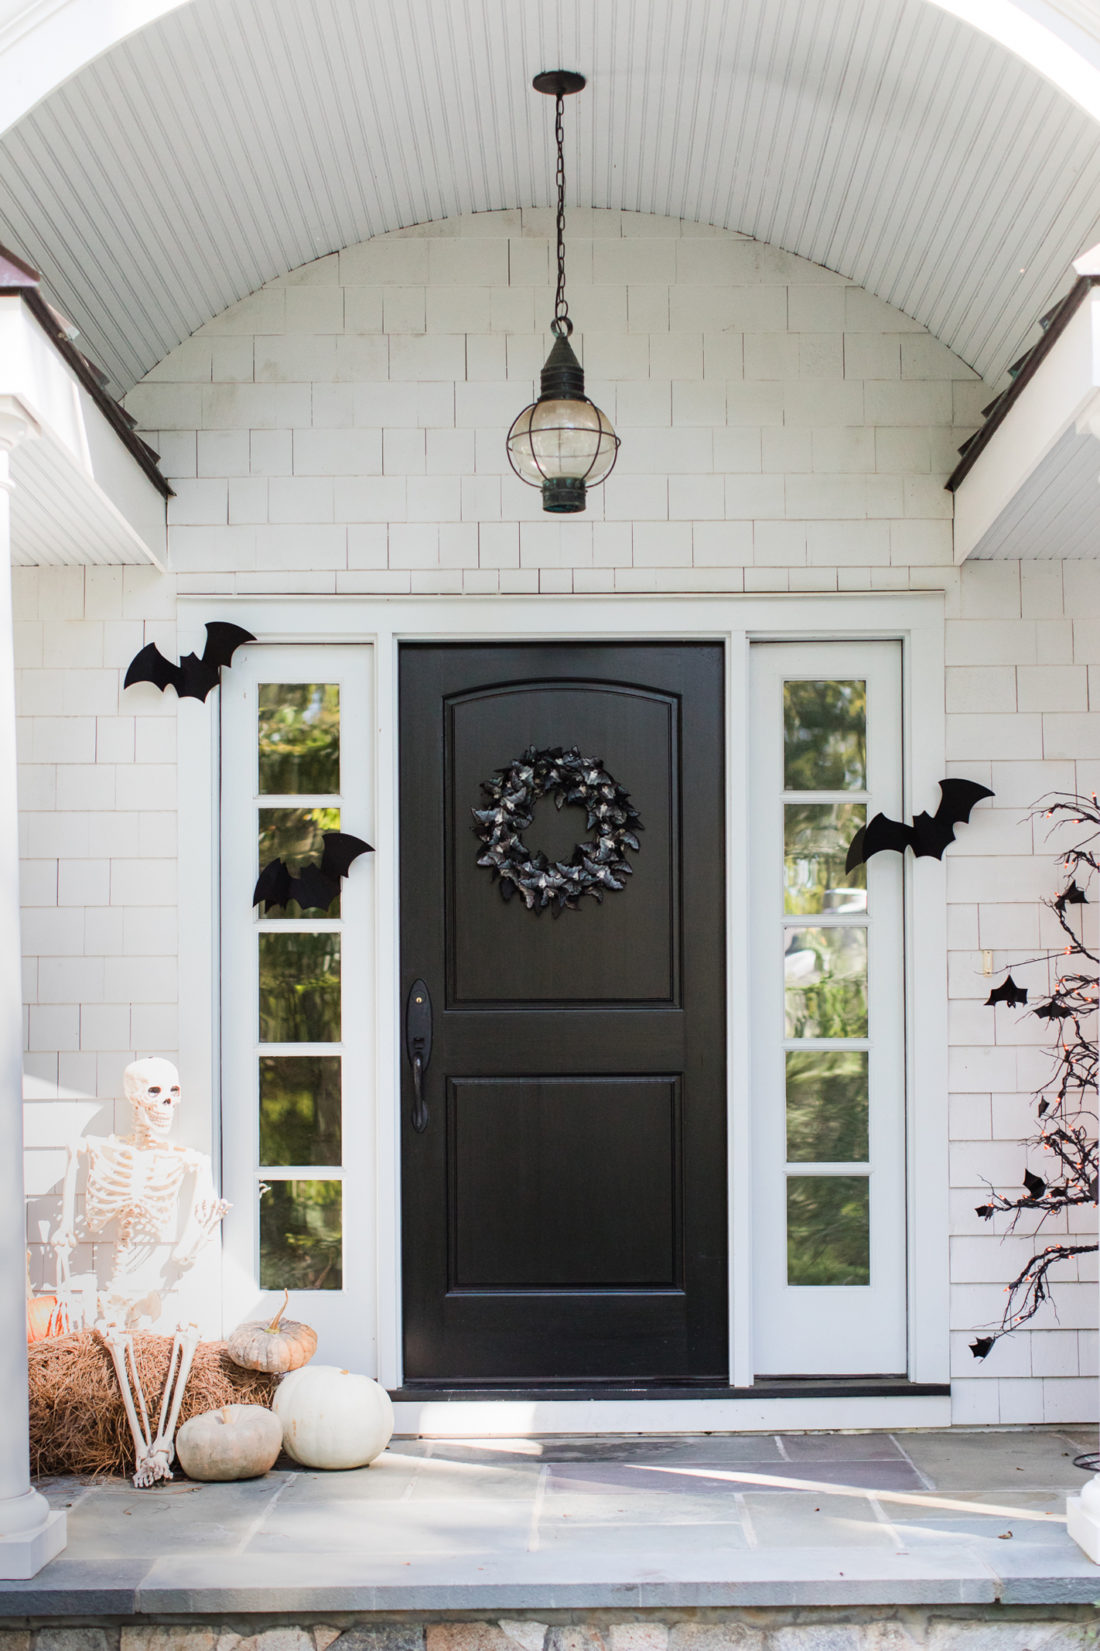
{"points": [[1055, 325], [19, 280]]}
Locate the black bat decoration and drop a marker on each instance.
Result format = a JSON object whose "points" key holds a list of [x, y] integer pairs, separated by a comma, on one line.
{"points": [[1034, 1184], [982, 1346], [984, 1210], [1007, 992], [928, 835], [314, 886], [193, 677], [1053, 1010], [1073, 896]]}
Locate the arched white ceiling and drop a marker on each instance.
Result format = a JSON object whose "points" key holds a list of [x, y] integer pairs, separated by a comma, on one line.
{"points": [[232, 140]]}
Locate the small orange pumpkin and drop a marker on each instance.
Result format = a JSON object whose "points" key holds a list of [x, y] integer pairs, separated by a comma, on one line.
{"points": [[276, 1347], [46, 1316]]}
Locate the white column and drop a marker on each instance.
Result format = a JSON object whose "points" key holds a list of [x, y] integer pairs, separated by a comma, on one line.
{"points": [[30, 1535]]}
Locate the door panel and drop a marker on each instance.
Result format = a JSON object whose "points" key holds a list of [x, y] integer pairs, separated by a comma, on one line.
{"points": [[531, 1210], [623, 951], [565, 1208]]}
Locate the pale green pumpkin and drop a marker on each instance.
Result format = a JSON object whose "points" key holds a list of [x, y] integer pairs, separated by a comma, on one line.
{"points": [[238, 1441]]}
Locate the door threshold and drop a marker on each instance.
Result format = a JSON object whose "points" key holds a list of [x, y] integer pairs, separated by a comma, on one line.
{"points": [[775, 1387], [777, 1407]]}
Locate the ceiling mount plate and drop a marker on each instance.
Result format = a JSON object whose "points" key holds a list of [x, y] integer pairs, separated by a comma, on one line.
{"points": [[558, 82]]}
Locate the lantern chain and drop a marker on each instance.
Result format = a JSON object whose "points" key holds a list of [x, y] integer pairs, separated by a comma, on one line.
{"points": [[562, 323]]}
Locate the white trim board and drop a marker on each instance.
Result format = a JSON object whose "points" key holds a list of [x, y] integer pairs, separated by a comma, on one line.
{"points": [[916, 620], [516, 1418]]}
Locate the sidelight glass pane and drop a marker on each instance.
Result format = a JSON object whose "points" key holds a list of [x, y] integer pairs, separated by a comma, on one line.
{"points": [[299, 738], [828, 1229], [300, 1109], [816, 839], [299, 988], [301, 1235], [826, 1106], [825, 972], [824, 736], [295, 836]]}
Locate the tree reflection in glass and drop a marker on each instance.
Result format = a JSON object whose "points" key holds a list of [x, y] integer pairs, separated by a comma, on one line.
{"points": [[296, 836], [299, 738], [301, 1235], [299, 988], [828, 1229], [824, 736], [827, 1106], [299, 1109], [825, 976], [815, 848]]}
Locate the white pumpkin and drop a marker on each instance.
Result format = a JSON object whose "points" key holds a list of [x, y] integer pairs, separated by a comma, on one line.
{"points": [[333, 1418], [238, 1441]]}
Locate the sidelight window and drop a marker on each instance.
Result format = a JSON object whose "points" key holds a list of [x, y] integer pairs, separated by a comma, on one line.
{"points": [[295, 1003], [828, 1063]]}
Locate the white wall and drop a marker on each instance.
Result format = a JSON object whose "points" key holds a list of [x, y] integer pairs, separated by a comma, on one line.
{"points": [[342, 430]]}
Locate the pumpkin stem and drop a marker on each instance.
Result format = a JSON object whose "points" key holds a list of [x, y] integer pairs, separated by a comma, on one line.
{"points": [[274, 1325]]}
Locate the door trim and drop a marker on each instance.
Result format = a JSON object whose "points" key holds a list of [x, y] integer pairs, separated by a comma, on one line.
{"points": [[915, 619]]}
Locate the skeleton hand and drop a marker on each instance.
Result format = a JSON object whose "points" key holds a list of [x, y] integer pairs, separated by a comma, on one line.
{"points": [[64, 1243], [152, 1465], [201, 1227], [210, 1212]]}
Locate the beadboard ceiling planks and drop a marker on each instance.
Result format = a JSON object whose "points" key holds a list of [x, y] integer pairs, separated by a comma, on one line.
{"points": [[236, 139]]}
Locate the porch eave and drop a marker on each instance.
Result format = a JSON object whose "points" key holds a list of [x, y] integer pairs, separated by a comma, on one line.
{"points": [[86, 489], [1028, 484]]}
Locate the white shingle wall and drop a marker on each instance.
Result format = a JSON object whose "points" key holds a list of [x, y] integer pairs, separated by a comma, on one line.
{"points": [[342, 430]]}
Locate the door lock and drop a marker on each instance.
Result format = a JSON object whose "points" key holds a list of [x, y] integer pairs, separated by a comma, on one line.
{"points": [[418, 1046]]}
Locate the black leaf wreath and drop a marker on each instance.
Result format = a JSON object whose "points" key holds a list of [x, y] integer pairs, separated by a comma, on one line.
{"points": [[596, 865]]}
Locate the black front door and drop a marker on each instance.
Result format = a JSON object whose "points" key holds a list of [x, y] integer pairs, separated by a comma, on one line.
{"points": [[564, 1206]]}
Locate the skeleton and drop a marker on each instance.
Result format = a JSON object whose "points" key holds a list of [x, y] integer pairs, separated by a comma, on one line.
{"points": [[137, 1181]]}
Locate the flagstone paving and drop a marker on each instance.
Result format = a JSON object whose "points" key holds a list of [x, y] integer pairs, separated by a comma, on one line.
{"points": [[967, 1516]]}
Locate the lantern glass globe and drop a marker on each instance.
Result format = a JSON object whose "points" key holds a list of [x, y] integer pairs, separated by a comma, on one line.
{"points": [[559, 439]]}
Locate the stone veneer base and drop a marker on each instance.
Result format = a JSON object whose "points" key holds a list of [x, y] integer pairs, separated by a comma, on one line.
{"points": [[992, 1627]]}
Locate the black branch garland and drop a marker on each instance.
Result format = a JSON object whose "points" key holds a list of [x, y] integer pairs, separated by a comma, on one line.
{"points": [[595, 867], [1065, 1106]]}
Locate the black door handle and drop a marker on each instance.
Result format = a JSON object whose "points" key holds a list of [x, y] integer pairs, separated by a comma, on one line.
{"points": [[418, 1045]]}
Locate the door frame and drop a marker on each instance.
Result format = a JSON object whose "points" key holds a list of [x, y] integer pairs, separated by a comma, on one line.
{"points": [[916, 620]]}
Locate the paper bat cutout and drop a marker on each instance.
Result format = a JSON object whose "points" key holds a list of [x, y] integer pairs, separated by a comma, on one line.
{"points": [[1007, 992], [928, 835], [1035, 1184], [1053, 1010], [1073, 896], [193, 677], [984, 1210], [982, 1346], [314, 886]]}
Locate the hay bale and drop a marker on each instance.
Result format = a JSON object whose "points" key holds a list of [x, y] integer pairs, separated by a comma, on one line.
{"points": [[78, 1424]]}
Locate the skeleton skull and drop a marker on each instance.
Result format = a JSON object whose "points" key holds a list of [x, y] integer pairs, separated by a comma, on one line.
{"points": [[152, 1088]]}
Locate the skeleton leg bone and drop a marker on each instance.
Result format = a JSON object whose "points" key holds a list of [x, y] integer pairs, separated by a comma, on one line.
{"points": [[163, 1450], [120, 1345]]}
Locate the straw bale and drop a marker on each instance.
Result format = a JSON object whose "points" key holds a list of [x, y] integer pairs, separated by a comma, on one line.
{"points": [[77, 1420]]}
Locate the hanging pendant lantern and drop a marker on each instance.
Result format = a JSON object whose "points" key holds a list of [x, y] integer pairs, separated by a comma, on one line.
{"points": [[562, 443]]}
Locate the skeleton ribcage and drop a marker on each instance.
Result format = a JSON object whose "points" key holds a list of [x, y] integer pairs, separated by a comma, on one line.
{"points": [[137, 1187]]}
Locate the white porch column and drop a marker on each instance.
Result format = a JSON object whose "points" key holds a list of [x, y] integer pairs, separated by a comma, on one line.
{"points": [[30, 1535]]}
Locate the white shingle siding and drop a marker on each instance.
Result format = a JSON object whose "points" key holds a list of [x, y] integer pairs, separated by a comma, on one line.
{"points": [[342, 431]]}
